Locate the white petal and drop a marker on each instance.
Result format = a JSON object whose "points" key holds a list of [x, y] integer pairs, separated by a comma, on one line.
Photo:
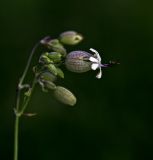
{"points": [[93, 50], [94, 66], [97, 54], [99, 75], [92, 59]]}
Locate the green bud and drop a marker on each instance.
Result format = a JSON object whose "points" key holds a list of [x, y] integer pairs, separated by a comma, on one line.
{"points": [[51, 68], [47, 76], [70, 38], [45, 59], [46, 80], [55, 56], [49, 85], [65, 96], [55, 45], [55, 70], [60, 73]]}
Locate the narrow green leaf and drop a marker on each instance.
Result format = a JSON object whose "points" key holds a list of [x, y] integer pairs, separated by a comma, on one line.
{"points": [[60, 73], [52, 69]]}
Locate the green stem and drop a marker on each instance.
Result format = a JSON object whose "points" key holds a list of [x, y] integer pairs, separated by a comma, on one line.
{"points": [[16, 125], [28, 98], [19, 113], [16, 133], [28, 64], [17, 118]]}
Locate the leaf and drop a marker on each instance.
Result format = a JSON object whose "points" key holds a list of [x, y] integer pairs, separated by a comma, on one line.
{"points": [[52, 69], [55, 56], [44, 59], [47, 76], [28, 93], [60, 72]]}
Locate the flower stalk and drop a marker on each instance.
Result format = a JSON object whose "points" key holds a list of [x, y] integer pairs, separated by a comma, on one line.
{"points": [[17, 110]]}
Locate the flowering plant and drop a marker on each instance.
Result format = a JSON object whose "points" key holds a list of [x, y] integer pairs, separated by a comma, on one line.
{"points": [[48, 69]]}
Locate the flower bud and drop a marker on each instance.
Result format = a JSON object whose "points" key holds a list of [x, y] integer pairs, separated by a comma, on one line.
{"points": [[65, 96], [54, 70], [47, 76], [51, 68], [46, 80], [70, 38], [78, 61], [54, 44], [44, 59], [45, 40], [49, 85], [55, 56]]}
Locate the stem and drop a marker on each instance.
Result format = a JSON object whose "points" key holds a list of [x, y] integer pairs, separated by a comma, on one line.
{"points": [[16, 125], [28, 63], [16, 133], [17, 118], [28, 98], [18, 113]]}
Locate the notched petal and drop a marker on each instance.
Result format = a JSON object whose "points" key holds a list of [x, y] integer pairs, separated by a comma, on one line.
{"points": [[99, 75], [92, 59], [94, 66], [97, 54]]}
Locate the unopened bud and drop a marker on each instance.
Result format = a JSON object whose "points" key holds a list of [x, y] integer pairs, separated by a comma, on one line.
{"points": [[54, 56], [54, 44], [70, 38], [65, 96], [55, 70], [47, 76], [49, 85], [46, 80], [45, 40], [78, 61], [44, 59]]}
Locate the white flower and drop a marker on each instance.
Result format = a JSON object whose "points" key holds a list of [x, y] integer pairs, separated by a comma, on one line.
{"points": [[96, 62]]}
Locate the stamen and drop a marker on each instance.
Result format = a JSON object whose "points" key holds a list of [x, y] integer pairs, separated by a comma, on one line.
{"points": [[105, 65]]}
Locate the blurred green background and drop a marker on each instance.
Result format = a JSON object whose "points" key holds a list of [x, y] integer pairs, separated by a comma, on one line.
{"points": [[113, 117]]}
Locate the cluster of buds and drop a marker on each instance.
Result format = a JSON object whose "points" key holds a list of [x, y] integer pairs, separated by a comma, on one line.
{"points": [[50, 62]]}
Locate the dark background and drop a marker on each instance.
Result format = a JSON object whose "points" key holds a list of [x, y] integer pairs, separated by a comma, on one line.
{"points": [[113, 116]]}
